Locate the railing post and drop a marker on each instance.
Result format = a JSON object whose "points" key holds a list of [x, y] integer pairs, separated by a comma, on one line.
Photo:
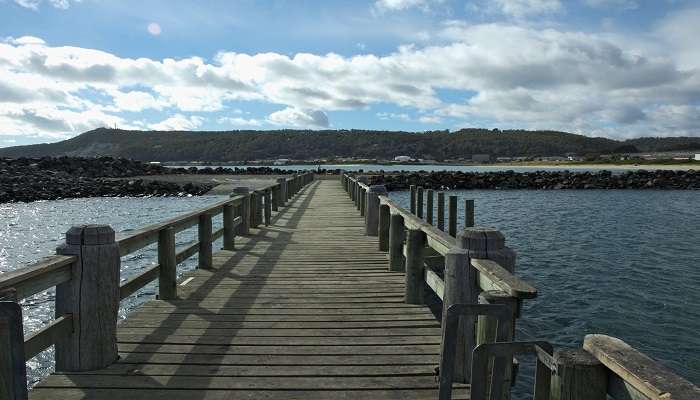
{"points": [[452, 220], [412, 189], [92, 299], [229, 215], [456, 278], [372, 209], [268, 207], [259, 210], [441, 211], [205, 253], [419, 202], [482, 243], [274, 193], [429, 206], [244, 227], [579, 376], [282, 192], [253, 209], [415, 248], [384, 221], [486, 333], [13, 368], [397, 235], [468, 213], [167, 281]]}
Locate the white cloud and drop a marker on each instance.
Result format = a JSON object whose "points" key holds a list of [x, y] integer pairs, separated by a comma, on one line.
{"points": [[613, 4], [515, 75], [178, 122], [399, 5], [295, 118], [519, 8], [25, 40], [239, 121], [34, 4], [154, 29]]}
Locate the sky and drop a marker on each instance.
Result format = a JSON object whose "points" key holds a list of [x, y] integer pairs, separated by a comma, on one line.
{"points": [[612, 68]]}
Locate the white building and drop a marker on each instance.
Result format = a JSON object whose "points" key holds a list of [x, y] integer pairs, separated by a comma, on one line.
{"points": [[402, 158], [697, 157]]}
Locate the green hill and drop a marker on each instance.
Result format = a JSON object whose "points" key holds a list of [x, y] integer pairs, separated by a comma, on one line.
{"points": [[301, 144]]}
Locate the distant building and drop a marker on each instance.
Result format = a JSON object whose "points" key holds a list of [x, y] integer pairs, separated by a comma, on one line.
{"points": [[481, 158], [281, 161], [402, 159], [697, 157]]}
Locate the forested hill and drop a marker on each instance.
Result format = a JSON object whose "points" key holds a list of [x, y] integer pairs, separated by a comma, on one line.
{"points": [[300, 144]]}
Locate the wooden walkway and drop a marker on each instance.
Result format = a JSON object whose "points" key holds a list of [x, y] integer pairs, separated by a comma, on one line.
{"points": [[303, 309]]}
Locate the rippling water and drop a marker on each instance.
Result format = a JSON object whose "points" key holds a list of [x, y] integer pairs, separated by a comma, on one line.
{"points": [[30, 231], [625, 263]]}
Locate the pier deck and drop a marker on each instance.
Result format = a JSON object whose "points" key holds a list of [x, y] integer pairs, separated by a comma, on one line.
{"points": [[304, 308]]}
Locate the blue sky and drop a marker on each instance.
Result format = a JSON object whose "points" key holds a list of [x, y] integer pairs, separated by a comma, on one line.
{"points": [[614, 68]]}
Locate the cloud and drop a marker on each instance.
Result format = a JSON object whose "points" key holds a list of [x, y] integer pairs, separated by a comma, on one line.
{"points": [[399, 5], [518, 9], [292, 117], [239, 121], [25, 40], [512, 75], [613, 4], [34, 4], [153, 29], [178, 122]]}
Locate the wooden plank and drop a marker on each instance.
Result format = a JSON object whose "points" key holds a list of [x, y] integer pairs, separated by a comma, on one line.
{"points": [[189, 394], [47, 336], [133, 284], [638, 370], [494, 277], [39, 276]]}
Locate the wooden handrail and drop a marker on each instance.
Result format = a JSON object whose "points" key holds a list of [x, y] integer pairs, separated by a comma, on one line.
{"points": [[39, 276], [49, 334], [634, 375]]}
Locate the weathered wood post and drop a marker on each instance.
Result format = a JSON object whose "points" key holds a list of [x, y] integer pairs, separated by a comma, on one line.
{"points": [[457, 276], [253, 209], [441, 211], [282, 192], [486, 333], [13, 368], [205, 235], [244, 227], [397, 235], [579, 376], [167, 281], [487, 243], [468, 213], [452, 221], [229, 215], [419, 202], [429, 206], [415, 281], [372, 209], [413, 199], [290, 188], [363, 201], [92, 299], [259, 208], [384, 222], [268, 207], [274, 193]]}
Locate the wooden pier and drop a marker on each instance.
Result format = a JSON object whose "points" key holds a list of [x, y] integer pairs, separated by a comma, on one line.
{"points": [[319, 292]]}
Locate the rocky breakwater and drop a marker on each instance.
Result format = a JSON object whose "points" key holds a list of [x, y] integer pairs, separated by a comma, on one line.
{"points": [[659, 179], [28, 179]]}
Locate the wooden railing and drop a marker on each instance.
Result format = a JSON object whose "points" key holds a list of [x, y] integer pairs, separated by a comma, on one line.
{"points": [[472, 272], [85, 273]]}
